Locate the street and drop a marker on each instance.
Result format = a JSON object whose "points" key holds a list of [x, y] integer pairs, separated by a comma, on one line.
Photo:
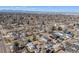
{"points": [[2, 47]]}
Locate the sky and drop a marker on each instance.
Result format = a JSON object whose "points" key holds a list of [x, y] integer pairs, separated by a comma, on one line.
{"points": [[43, 8]]}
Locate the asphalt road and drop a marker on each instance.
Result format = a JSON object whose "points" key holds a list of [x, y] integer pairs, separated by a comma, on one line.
{"points": [[2, 47]]}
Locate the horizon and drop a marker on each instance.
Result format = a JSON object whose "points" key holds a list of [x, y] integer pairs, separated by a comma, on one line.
{"points": [[42, 8]]}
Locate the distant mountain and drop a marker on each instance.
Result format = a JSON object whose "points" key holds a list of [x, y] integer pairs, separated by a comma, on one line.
{"points": [[12, 10], [24, 11], [39, 12], [4, 10]]}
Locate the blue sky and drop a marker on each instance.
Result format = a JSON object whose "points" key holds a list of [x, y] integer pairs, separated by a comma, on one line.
{"points": [[43, 8]]}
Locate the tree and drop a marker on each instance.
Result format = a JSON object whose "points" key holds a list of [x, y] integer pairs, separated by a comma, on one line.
{"points": [[16, 46], [53, 28], [60, 28]]}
